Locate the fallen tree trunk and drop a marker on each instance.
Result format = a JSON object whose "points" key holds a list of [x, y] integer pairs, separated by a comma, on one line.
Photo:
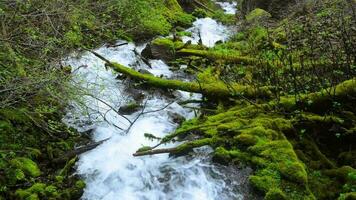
{"points": [[217, 56], [214, 90]]}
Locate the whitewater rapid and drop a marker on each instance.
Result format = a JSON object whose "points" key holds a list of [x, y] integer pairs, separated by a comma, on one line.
{"points": [[110, 171]]}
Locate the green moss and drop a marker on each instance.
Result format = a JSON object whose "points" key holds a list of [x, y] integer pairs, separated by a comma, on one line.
{"points": [[294, 171], [200, 13], [275, 194], [341, 172], [32, 192], [38, 191], [26, 165], [217, 89], [67, 167], [257, 15], [224, 18], [33, 197], [18, 115], [144, 148], [184, 33], [51, 191], [221, 155], [19, 174], [323, 187], [175, 14], [264, 183], [246, 139], [228, 56], [259, 139], [348, 196], [188, 146], [80, 184]]}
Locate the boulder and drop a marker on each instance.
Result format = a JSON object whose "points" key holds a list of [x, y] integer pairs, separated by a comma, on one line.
{"points": [[161, 48], [176, 118]]}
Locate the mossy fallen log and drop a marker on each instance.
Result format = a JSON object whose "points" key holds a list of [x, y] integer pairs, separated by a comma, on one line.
{"points": [[215, 90], [216, 55]]}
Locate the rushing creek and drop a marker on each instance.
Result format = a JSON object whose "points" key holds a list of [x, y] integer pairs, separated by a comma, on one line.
{"points": [[110, 171]]}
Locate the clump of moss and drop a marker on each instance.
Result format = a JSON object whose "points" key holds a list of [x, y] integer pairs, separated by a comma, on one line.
{"points": [[184, 33], [275, 194], [200, 13], [167, 43], [176, 15], [42, 191], [26, 165]]}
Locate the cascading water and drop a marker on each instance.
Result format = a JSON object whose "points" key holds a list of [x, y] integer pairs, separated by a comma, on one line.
{"points": [[209, 31], [229, 7], [110, 170]]}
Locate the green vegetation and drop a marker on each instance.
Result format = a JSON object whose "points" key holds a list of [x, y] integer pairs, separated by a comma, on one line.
{"points": [[279, 96]]}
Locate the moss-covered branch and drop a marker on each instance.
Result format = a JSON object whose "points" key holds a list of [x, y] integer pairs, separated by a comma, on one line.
{"points": [[181, 149], [215, 90]]}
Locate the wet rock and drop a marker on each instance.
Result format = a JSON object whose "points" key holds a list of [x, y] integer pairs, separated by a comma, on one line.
{"points": [[161, 48], [136, 94], [130, 108], [146, 52], [176, 118]]}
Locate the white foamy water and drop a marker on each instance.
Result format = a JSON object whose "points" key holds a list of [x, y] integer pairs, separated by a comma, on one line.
{"points": [[208, 31], [229, 7], [110, 171]]}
